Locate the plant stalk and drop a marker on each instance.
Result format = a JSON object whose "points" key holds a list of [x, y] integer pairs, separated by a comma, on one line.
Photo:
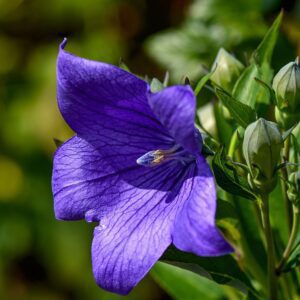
{"points": [[233, 144], [272, 277], [284, 173], [293, 235], [253, 267]]}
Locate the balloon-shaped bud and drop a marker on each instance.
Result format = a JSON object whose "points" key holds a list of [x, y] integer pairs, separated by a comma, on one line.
{"points": [[261, 148], [293, 191], [286, 85], [226, 70]]}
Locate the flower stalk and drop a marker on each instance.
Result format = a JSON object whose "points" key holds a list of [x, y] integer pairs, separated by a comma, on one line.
{"points": [[293, 235], [251, 263], [287, 203], [272, 278]]}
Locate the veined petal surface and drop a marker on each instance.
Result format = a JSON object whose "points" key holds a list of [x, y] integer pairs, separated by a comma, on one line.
{"points": [[195, 230], [108, 107], [140, 210], [84, 183], [175, 107], [136, 210]]}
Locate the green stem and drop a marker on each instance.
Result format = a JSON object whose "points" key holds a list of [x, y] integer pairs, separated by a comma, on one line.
{"points": [[284, 173], [251, 263], [252, 266], [272, 278], [293, 235], [259, 219], [233, 144]]}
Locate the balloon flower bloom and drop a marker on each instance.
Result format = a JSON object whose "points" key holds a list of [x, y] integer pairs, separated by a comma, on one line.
{"points": [[135, 167]]}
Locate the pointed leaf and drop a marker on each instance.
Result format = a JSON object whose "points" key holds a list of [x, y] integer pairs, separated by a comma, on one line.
{"points": [[269, 89], [246, 89], [242, 113], [287, 133], [228, 179], [264, 51], [222, 270], [182, 284], [201, 83]]}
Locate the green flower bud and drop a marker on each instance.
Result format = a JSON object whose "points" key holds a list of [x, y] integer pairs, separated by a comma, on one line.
{"points": [[286, 85], [261, 148], [293, 191], [226, 70]]}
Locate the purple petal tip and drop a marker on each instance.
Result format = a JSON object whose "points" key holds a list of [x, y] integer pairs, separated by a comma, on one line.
{"points": [[63, 43]]}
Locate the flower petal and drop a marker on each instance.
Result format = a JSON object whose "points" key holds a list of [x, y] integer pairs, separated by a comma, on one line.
{"points": [[175, 108], [85, 186], [136, 207], [108, 107], [133, 236], [129, 241], [195, 230], [78, 171]]}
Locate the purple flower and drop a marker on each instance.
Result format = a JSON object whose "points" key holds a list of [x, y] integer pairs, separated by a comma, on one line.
{"points": [[135, 167]]}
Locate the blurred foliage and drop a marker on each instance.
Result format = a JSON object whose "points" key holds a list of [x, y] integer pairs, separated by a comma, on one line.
{"points": [[210, 24], [237, 26], [41, 258]]}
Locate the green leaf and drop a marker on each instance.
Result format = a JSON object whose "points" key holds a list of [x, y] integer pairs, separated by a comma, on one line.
{"points": [[224, 129], [247, 90], [294, 258], [227, 220], [269, 89], [222, 270], [254, 255], [201, 83], [264, 51], [295, 153], [287, 133], [227, 177], [156, 85], [242, 113], [182, 284]]}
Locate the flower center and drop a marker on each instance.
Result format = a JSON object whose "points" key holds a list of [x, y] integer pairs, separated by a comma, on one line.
{"points": [[158, 157]]}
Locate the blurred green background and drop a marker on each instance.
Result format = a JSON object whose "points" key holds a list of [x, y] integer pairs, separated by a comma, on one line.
{"points": [[41, 258]]}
